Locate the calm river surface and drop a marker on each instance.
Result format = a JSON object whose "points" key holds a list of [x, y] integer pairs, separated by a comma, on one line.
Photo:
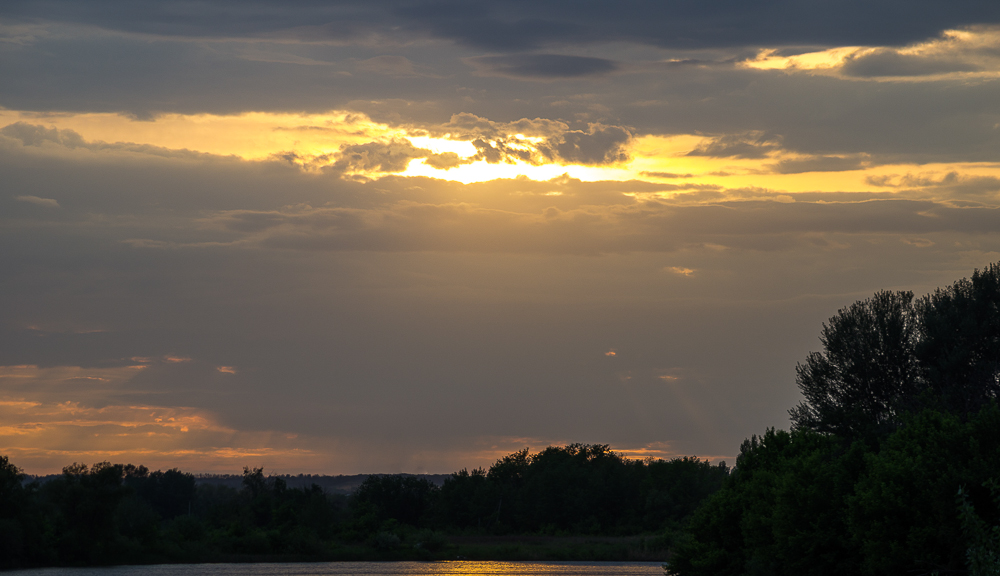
{"points": [[457, 568]]}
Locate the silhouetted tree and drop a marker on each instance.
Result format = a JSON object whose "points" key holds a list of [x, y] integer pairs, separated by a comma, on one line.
{"points": [[11, 490], [960, 341], [868, 370], [254, 482], [407, 499], [86, 500], [12, 505], [506, 475], [170, 493], [673, 489], [580, 488], [468, 499], [923, 379]]}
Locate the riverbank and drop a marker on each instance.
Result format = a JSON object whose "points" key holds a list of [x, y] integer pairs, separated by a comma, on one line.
{"points": [[438, 547], [560, 548], [527, 547], [364, 568]]}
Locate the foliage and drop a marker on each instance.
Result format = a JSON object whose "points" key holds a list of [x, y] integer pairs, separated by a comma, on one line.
{"points": [[578, 489], [117, 513], [406, 499], [959, 345], [887, 355], [900, 411], [780, 512], [860, 383], [983, 555], [903, 511], [807, 503], [12, 511]]}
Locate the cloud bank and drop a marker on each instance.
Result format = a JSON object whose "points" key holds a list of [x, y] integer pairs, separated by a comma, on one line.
{"points": [[414, 236]]}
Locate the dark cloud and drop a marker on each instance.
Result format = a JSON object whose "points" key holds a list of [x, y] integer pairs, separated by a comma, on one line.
{"points": [[820, 164], [91, 71], [816, 115], [218, 201], [501, 150], [666, 175], [953, 184], [212, 19], [503, 141], [445, 160], [543, 66], [917, 121], [479, 24], [410, 226], [391, 156], [466, 126], [392, 64], [215, 200], [36, 135], [747, 145], [514, 24], [598, 145], [888, 62], [304, 217]]}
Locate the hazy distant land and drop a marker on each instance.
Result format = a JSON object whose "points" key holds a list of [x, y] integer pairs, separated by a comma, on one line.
{"points": [[342, 484]]}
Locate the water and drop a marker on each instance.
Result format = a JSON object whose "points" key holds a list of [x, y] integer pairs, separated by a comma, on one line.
{"points": [[456, 568]]}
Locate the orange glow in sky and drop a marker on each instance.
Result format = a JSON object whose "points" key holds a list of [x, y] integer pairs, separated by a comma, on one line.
{"points": [[668, 159]]}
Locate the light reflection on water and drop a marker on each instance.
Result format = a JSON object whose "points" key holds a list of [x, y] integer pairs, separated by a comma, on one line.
{"points": [[456, 568]]}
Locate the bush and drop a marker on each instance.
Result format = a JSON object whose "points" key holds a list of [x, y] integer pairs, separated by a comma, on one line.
{"points": [[386, 541]]}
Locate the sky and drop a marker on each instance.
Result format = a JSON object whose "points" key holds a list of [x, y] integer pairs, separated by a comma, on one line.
{"points": [[382, 236]]}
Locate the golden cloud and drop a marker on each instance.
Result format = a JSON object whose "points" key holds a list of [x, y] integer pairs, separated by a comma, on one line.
{"points": [[49, 420]]}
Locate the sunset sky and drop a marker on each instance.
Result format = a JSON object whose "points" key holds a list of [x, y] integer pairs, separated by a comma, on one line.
{"points": [[414, 236]]}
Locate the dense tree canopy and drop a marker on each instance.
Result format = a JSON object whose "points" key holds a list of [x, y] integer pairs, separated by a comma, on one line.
{"points": [[959, 344], [893, 455], [579, 489], [115, 513], [888, 355], [867, 372], [804, 503]]}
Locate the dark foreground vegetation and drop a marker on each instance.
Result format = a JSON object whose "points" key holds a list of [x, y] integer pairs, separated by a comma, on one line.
{"points": [[579, 502], [893, 462]]}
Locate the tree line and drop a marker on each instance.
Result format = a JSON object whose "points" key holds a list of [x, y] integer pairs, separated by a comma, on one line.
{"points": [[893, 460], [121, 513]]}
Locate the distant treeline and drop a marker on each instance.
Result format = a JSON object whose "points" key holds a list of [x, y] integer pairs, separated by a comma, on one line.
{"points": [[341, 483], [115, 513], [893, 462], [577, 489]]}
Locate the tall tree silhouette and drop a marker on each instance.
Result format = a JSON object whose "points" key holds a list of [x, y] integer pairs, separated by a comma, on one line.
{"points": [[960, 341], [867, 372]]}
